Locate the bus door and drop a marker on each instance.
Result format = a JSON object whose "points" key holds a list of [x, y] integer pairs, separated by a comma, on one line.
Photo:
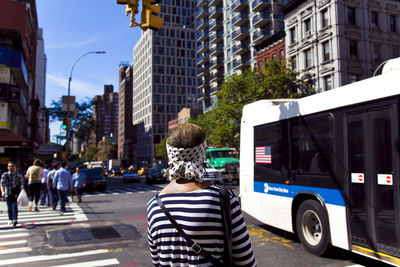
{"points": [[373, 180]]}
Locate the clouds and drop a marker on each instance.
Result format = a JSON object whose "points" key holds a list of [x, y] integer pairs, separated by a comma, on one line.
{"points": [[65, 45]]}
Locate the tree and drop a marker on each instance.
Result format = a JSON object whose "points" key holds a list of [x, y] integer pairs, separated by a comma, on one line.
{"points": [[82, 124], [105, 150], [275, 80], [161, 148], [90, 154]]}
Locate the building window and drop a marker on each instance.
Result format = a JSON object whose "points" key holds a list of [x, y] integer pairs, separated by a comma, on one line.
{"points": [[377, 52], [281, 54], [351, 15], [327, 83], [392, 23], [353, 49], [292, 35], [374, 20], [308, 58], [324, 18], [307, 27], [327, 51]]}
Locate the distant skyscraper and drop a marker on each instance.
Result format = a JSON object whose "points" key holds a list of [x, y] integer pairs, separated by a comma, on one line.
{"points": [[105, 114], [227, 33], [164, 72]]}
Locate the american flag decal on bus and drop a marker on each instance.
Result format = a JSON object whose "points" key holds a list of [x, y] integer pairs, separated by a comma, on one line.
{"points": [[263, 155]]}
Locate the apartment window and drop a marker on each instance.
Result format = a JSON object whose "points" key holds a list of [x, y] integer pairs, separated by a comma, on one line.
{"points": [[324, 18], [353, 49], [292, 35], [281, 54], [351, 15], [392, 23], [307, 27], [377, 52], [308, 58], [327, 51], [374, 20], [327, 83]]}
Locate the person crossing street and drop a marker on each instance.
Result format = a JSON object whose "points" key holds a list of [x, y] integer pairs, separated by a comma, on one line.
{"points": [[63, 182]]}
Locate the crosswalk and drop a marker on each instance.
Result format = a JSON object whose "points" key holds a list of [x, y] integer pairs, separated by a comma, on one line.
{"points": [[126, 190], [14, 246]]}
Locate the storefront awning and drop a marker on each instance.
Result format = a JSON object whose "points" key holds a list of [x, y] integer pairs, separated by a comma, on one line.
{"points": [[8, 139]]}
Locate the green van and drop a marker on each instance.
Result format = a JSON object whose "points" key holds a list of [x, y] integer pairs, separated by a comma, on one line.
{"points": [[225, 160]]}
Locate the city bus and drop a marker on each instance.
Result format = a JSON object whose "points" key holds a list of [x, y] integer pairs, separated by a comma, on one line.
{"points": [[327, 166]]}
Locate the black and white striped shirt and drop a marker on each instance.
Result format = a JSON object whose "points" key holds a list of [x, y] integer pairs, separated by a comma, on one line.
{"points": [[199, 214]]}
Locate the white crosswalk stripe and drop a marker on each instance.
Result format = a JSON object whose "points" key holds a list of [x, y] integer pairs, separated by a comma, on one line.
{"points": [[14, 249], [128, 190]]}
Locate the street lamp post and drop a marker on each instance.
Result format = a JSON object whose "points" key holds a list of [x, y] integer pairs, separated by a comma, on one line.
{"points": [[69, 91]]}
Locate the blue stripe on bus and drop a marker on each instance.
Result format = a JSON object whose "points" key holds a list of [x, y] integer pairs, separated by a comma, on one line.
{"points": [[330, 196]]}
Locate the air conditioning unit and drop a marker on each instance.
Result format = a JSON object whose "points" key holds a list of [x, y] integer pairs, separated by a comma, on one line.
{"points": [[308, 33]]}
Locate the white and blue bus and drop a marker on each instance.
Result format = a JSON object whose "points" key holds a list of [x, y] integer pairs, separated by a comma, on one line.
{"points": [[327, 166]]}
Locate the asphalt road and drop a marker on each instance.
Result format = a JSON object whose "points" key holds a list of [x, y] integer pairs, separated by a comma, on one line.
{"points": [[109, 229]]}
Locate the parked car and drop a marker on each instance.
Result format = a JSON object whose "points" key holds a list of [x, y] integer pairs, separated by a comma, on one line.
{"points": [[211, 174], [95, 179], [115, 171], [143, 171], [131, 176], [155, 175]]}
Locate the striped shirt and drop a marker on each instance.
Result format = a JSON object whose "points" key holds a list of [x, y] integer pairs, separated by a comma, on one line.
{"points": [[199, 215]]}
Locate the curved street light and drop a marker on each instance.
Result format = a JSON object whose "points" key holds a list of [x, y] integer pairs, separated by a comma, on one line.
{"points": [[69, 90]]}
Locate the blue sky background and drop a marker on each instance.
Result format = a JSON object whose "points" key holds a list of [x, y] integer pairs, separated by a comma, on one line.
{"points": [[74, 27]]}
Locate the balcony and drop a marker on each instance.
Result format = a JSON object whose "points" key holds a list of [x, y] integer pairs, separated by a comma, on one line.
{"points": [[203, 72], [202, 36], [261, 19], [216, 37], [240, 49], [203, 59], [203, 48], [216, 63], [214, 2], [259, 5], [202, 24], [240, 19], [215, 12], [260, 35], [202, 12], [14, 59], [216, 50], [216, 77], [239, 5], [215, 24], [14, 95], [200, 3], [240, 33], [238, 64]]}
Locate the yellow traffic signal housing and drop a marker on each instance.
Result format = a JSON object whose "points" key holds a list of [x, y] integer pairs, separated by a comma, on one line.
{"points": [[149, 15], [132, 8]]}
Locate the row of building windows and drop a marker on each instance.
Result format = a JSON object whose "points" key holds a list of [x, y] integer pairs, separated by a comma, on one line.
{"points": [[375, 19], [176, 61], [160, 69], [159, 50]]}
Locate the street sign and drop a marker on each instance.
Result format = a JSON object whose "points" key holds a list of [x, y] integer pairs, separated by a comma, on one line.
{"points": [[68, 103]]}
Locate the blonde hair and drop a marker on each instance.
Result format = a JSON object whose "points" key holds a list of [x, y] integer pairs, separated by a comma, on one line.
{"points": [[186, 135]]}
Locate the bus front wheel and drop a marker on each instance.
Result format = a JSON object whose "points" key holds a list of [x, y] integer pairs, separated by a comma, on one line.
{"points": [[312, 227]]}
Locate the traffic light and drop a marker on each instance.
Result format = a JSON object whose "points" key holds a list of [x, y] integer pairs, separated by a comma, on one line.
{"points": [[131, 7], [66, 124], [149, 15]]}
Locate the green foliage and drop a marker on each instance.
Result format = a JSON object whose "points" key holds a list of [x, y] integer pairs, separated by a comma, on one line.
{"points": [[90, 154], [274, 81], [161, 149], [105, 150], [82, 124]]}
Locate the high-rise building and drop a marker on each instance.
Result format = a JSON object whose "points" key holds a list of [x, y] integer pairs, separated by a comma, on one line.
{"points": [[227, 33], [19, 103], [105, 115], [164, 73], [339, 42], [126, 129]]}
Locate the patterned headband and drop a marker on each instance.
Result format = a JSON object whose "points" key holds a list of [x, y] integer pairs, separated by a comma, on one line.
{"points": [[187, 162]]}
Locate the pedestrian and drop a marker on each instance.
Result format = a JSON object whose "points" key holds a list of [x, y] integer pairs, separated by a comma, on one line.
{"points": [[34, 174], [79, 182], [63, 182], [196, 207], [44, 196], [11, 185], [53, 195]]}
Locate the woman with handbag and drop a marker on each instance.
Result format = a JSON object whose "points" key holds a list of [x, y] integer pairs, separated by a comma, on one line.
{"points": [[188, 223]]}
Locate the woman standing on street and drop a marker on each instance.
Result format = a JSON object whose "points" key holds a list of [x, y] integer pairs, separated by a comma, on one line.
{"points": [[34, 174], [11, 185], [79, 182], [195, 205]]}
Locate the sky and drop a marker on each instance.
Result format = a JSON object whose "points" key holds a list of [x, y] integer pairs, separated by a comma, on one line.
{"points": [[74, 27]]}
